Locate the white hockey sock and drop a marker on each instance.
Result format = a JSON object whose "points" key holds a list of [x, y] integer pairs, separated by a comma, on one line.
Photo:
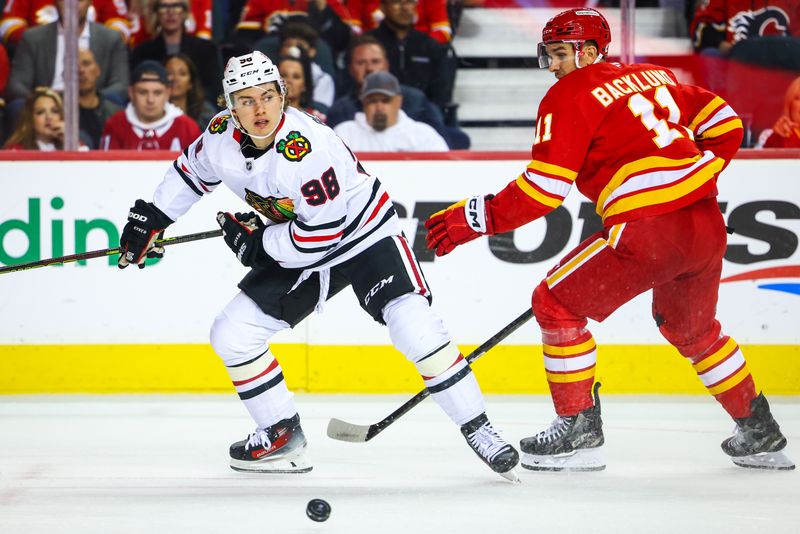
{"points": [[262, 388], [421, 336], [455, 389], [461, 401]]}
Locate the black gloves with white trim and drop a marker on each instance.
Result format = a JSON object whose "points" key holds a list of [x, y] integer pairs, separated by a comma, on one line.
{"points": [[243, 233], [146, 224]]}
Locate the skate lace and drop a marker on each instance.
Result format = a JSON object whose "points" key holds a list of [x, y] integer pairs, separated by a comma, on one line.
{"points": [[555, 431], [486, 441], [738, 437], [259, 438]]}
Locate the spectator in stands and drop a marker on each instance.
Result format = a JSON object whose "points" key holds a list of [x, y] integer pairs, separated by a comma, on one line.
{"points": [[4, 69], [299, 34], [41, 123], [296, 73], [414, 57], [171, 38], [19, 15], [144, 20], [94, 108], [265, 17], [186, 91], [786, 131], [35, 61], [432, 17], [149, 122], [367, 55], [383, 126]]}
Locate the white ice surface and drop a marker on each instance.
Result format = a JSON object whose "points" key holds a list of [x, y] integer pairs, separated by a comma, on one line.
{"points": [[136, 464]]}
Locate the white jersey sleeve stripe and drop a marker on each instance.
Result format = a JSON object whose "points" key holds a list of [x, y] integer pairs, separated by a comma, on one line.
{"points": [[186, 179]]}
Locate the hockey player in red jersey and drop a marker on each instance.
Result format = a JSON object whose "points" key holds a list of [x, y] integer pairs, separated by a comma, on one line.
{"points": [[330, 224], [647, 151]]}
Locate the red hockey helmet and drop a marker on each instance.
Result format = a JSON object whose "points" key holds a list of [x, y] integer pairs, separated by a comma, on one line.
{"points": [[575, 26]]}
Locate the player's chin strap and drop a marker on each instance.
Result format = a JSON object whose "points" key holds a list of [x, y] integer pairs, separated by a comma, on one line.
{"points": [[579, 54]]}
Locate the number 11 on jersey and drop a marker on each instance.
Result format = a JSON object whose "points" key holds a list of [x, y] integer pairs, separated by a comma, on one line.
{"points": [[543, 135]]}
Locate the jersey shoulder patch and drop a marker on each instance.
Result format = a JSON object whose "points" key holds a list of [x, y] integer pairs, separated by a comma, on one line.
{"points": [[294, 147], [219, 124]]}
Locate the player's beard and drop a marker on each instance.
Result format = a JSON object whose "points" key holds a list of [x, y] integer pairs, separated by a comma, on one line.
{"points": [[380, 121]]}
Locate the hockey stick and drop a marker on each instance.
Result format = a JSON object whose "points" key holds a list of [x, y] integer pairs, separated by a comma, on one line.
{"points": [[344, 431], [106, 252]]}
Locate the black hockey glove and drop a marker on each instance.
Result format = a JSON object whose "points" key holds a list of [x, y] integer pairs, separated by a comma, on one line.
{"points": [[146, 223], [243, 233]]}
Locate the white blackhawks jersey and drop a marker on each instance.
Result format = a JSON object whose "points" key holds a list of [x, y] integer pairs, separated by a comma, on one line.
{"points": [[341, 210]]}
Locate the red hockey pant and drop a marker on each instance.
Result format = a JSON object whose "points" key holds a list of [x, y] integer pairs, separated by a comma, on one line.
{"points": [[679, 256]]}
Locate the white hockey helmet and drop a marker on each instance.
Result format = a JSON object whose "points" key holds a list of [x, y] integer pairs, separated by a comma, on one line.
{"points": [[249, 70]]}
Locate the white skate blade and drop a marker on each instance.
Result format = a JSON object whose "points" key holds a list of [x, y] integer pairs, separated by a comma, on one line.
{"points": [[296, 462], [765, 460], [511, 476], [580, 460]]}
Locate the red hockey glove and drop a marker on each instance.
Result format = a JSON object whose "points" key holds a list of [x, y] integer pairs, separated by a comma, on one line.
{"points": [[243, 233], [458, 224]]}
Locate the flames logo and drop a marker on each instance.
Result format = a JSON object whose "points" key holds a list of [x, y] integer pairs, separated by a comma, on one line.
{"points": [[766, 21]]}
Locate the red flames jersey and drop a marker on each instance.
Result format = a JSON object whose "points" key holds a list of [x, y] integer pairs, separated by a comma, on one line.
{"points": [[18, 15], [736, 20], [630, 137], [431, 17], [267, 15]]}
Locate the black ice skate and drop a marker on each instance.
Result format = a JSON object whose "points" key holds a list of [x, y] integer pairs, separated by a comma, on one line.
{"points": [[570, 444], [490, 447], [757, 441], [280, 448]]}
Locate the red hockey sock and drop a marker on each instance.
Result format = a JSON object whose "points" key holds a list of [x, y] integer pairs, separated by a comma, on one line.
{"points": [[723, 370], [569, 366]]}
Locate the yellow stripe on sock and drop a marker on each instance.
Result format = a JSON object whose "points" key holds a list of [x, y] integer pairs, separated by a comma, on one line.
{"points": [[570, 377]]}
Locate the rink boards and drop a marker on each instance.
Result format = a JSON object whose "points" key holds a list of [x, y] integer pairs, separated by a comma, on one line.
{"points": [[93, 328]]}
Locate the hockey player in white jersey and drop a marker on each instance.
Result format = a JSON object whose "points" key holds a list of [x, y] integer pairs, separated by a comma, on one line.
{"points": [[329, 225]]}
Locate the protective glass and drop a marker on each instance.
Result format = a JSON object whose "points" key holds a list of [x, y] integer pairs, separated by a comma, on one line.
{"points": [[541, 53]]}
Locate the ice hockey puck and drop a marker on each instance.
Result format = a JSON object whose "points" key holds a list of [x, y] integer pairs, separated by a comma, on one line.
{"points": [[318, 510]]}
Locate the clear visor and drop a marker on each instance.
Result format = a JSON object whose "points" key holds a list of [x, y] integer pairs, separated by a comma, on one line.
{"points": [[544, 59]]}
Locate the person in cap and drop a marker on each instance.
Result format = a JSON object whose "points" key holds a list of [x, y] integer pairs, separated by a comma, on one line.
{"points": [[383, 126], [327, 224], [149, 121]]}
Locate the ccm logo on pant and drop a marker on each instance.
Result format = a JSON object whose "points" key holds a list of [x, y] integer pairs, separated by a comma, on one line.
{"points": [[377, 287]]}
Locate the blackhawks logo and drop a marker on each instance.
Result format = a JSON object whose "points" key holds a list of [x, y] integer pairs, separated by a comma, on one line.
{"points": [[278, 210], [294, 147], [219, 124]]}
